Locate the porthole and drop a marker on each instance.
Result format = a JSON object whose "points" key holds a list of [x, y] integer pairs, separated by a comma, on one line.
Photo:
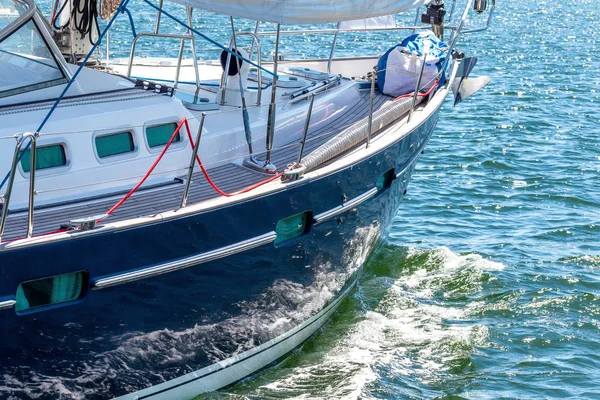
{"points": [[50, 291], [159, 135], [45, 157], [114, 144], [292, 227], [385, 180]]}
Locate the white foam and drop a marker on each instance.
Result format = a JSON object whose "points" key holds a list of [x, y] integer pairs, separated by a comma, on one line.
{"points": [[406, 334]]}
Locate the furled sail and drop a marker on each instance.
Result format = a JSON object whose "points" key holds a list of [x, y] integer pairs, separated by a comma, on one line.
{"points": [[304, 11], [386, 21]]}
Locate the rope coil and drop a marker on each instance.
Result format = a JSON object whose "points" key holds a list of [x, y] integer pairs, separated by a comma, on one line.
{"points": [[108, 8]]}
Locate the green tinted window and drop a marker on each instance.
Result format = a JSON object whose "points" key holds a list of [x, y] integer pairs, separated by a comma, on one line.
{"points": [[113, 144], [45, 157], [291, 227], [48, 291], [159, 135], [385, 180]]}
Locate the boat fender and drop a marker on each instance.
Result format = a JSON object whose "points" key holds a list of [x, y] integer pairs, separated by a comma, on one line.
{"points": [[233, 65]]}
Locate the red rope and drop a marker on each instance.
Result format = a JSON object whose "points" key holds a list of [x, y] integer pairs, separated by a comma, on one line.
{"points": [[420, 94], [160, 156], [183, 121], [212, 184]]}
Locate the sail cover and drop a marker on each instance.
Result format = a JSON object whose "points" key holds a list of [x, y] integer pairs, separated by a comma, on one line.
{"points": [[304, 11]]}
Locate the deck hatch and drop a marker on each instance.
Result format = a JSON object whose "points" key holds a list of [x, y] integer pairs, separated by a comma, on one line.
{"points": [[50, 291], [46, 157], [159, 135], [292, 227], [114, 144]]}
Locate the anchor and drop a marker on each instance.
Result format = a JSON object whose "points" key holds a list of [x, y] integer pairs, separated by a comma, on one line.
{"points": [[465, 87]]}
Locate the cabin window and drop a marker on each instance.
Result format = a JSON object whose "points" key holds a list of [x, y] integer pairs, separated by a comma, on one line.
{"points": [[49, 291], [292, 227], [114, 144], [385, 180], [45, 157], [159, 135]]}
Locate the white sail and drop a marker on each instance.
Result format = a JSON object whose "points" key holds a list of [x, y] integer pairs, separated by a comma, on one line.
{"points": [[304, 11], [385, 21]]}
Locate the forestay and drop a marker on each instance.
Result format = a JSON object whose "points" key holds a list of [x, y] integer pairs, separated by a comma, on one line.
{"points": [[304, 11]]}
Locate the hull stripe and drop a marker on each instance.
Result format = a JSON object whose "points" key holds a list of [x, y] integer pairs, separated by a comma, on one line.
{"points": [[184, 262], [349, 205], [7, 304]]}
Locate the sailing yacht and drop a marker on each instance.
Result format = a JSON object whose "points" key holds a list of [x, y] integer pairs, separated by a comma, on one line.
{"points": [[170, 226]]}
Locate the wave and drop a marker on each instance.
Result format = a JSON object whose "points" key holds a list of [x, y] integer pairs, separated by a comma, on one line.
{"points": [[400, 337]]}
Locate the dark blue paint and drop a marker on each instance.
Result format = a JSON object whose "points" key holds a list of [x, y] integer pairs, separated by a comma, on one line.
{"points": [[63, 341]]}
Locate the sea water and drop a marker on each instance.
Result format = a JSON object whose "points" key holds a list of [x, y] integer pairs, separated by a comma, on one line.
{"points": [[488, 284]]}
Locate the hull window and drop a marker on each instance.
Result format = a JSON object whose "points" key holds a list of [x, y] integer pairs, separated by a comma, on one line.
{"points": [[292, 227], [49, 291], [385, 180], [114, 144], [159, 135], [46, 157]]}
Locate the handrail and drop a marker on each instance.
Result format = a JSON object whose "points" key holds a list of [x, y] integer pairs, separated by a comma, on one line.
{"points": [[197, 32], [186, 36], [418, 85], [455, 29], [333, 44], [195, 149], [31, 137], [225, 76], [371, 99], [333, 30], [488, 22], [456, 33], [306, 127]]}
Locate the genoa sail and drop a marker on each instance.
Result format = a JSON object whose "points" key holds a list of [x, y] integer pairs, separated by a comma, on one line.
{"points": [[298, 12]]}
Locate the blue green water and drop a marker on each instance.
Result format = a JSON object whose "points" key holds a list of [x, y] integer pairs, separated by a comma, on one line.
{"points": [[488, 285]]}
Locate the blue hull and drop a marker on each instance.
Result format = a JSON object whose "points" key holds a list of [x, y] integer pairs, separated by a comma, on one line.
{"points": [[128, 337]]}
